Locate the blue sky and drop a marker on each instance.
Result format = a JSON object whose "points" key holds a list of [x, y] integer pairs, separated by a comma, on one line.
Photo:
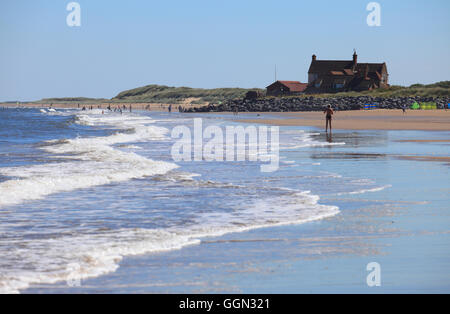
{"points": [[209, 43]]}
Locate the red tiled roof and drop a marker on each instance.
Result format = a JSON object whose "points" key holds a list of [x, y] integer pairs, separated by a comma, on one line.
{"points": [[294, 86], [348, 71]]}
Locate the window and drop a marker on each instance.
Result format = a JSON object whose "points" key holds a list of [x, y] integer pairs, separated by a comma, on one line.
{"points": [[340, 83]]}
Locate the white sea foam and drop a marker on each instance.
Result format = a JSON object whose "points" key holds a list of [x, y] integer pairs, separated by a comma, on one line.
{"points": [[100, 253], [311, 144], [293, 208], [93, 254], [304, 139], [96, 161], [362, 191]]}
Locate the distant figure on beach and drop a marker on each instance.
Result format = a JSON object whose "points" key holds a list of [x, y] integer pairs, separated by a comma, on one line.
{"points": [[84, 109], [170, 108], [236, 111], [404, 109], [130, 108], [180, 109], [329, 115]]}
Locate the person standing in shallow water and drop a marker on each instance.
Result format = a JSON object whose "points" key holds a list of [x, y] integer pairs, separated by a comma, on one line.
{"points": [[329, 115]]}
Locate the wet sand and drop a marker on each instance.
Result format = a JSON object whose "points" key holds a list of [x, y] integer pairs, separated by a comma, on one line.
{"points": [[136, 106], [423, 141], [382, 119], [427, 158]]}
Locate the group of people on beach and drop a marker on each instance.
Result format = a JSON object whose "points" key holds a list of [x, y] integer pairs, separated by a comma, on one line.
{"points": [[169, 108], [119, 108], [84, 108]]}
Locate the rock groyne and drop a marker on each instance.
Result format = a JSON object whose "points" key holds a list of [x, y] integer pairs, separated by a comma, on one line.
{"points": [[286, 104]]}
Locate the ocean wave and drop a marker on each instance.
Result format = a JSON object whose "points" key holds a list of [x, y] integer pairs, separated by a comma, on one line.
{"points": [[98, 254], [91, 161], [97, 161], [362, 191]]}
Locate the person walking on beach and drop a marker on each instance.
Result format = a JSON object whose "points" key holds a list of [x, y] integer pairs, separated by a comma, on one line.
{"points": [[170, 108], [329, 114], [404, 109]]}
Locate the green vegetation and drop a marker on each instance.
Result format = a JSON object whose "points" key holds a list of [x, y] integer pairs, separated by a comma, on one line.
{"points": [[440, 89], [173, 95], [166, 94]]}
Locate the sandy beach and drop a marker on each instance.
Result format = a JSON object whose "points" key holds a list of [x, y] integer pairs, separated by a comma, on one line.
{"points": [[382, 119], [186, 104]]}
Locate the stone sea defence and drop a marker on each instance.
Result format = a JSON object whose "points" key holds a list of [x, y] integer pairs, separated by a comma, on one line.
{"points": [[284, 104]]}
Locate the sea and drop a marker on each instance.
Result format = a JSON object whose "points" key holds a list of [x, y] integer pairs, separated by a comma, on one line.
{"points": [[80, 191]]}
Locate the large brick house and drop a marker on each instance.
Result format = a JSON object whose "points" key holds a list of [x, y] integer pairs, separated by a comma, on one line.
{"points": [[332, 76]]}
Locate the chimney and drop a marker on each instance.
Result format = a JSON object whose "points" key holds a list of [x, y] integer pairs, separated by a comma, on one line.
{"points": [[313, 57], [355, 58]]}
